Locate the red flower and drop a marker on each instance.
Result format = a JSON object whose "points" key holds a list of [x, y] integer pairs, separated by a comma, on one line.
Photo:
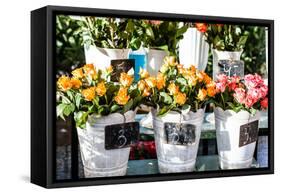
{"points": [[264, 103], [202, 27]]}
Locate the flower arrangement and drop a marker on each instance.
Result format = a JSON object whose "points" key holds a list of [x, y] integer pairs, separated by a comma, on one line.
{"points": [[234, 93], [176, 88], [89, 91], [224, 37]]}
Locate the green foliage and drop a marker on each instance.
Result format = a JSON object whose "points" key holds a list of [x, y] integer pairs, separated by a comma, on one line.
{"points": [[69, 46], [254, 55]]}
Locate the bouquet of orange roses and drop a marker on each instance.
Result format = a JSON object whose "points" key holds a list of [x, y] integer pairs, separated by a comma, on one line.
{"points": [[90, 91], [176, 88]]}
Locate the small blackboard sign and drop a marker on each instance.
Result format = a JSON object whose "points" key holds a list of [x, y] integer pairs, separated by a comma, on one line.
{"points": [[231, 67], [248, 133], [179, 134], [119, 66], [121, 135]]}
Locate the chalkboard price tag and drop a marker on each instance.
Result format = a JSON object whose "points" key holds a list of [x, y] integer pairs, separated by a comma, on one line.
{"points": [[248, 133], [231, 67], [179, 134], [119, 136], [119, 66]]}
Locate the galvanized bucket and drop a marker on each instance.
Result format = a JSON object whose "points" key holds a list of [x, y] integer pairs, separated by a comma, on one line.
{"points": [[228, 123], [97, 161], [176, 158]]}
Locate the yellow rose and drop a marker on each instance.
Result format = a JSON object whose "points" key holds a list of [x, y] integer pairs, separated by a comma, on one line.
{"points": [[122, 96], [126, 80], [180, 98], [64, 83], [170, 60], [109, 69], [143, 73], [160, 81], [146, 92], [89, 69], [78, 73], [173, 89], [141, 85], [202, 94], [200, 76], [192, 80], [89, 93], [76, 83], [101, 89], [151, 82], [164, 68]]}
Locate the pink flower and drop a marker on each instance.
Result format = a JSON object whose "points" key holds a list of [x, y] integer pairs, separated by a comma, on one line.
{"points": [[263, 90], [220, 87], [232, 83], [252, 81], [155, 22], [264, 103], [249, 102], [222, 78], [240, 95], [254, 93]]}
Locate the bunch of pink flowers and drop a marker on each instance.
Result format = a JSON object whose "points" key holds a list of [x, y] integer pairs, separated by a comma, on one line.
{"points": [[250, 91]]}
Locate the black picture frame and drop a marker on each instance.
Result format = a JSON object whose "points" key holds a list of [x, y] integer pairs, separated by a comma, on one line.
{"points": [[43, 97]]}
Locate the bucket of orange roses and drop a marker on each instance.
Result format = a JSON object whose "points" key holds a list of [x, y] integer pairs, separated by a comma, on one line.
{"points": [[178, 96], [104, 112], [237, 113]]}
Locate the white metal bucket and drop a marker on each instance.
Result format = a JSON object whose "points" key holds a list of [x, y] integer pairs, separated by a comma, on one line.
{"points": [[228, 123], [101, 57], [97, 161], [155, 60], [193, 49], [176, 158]]}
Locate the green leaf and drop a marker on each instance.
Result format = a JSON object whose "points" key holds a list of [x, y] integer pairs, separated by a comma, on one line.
{"points": [[128, 106], [78, 98], [69, 109], [114, 108], [181, 81], [60, 109], [65, 100], [81, 119], [167, 99]]}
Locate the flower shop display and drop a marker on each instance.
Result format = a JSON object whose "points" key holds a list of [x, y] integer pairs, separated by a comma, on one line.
{"points": [[104, 112], [193, 49], [227, 42], [178, 96], [238, 104]]}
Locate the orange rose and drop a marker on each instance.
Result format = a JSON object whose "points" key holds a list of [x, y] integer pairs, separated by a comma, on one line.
{"points": [[101, 89], [146, 92], [151, 82], [90, 69], [202, 94], [76, 83], [211, 89], [200, 76], [207, 79], [64, 83], [180, 98], [78, 73], [141, 85], [126, 80], [173, 89], [143, 73], [89, 93], [202, 27], [122, 96], [160, 81]]}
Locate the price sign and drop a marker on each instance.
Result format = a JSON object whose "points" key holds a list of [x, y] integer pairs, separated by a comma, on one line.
{"points": [[119, 136], [248, 133], [180, 134], [119, 66], [231, 67]]}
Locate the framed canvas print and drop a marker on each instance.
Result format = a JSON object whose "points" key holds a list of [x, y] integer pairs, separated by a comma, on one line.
{"points": [[125, 96]]}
